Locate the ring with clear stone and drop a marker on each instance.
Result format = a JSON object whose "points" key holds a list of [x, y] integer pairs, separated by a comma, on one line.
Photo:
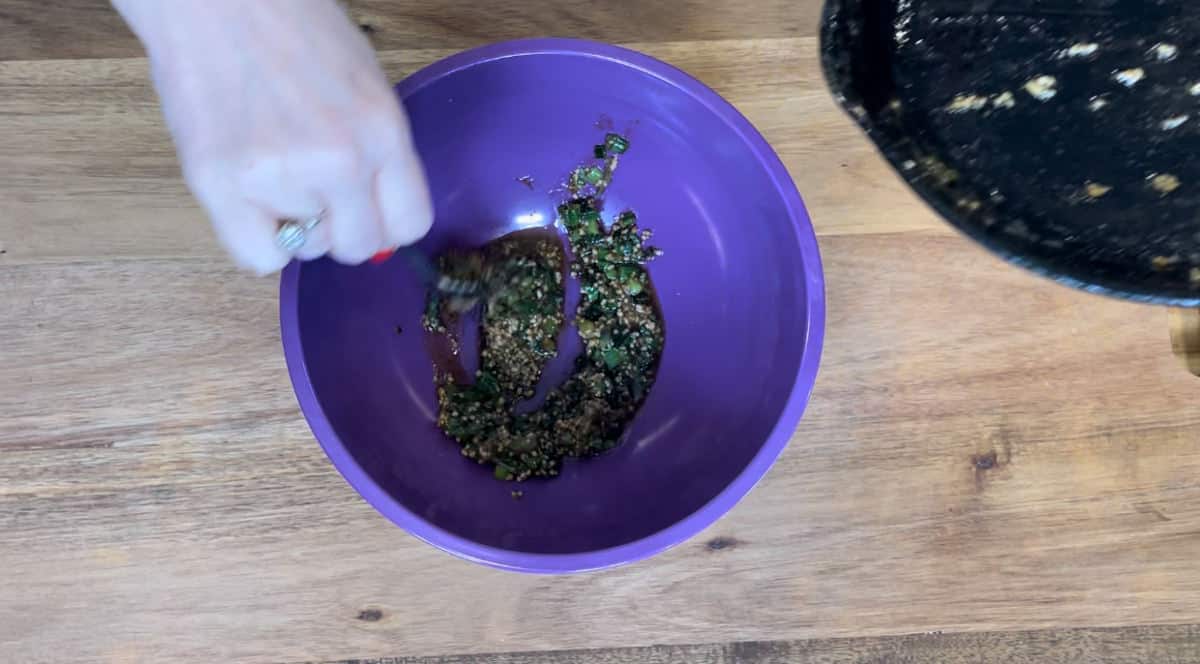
{"points": [[291, 234]]}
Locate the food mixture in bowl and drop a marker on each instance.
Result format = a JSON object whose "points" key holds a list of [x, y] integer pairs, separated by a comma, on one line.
{"points": [[618, 320]]}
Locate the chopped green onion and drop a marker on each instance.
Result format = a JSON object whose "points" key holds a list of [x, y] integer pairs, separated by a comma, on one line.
{"points": [[616, 144], [613, 357], [593, 174], [570, 215]]}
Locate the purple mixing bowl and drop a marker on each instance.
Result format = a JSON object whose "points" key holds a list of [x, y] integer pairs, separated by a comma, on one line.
{"points": [[740, 284]]}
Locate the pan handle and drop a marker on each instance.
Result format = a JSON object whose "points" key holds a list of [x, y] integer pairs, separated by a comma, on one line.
{"points": [[1185, 337]]}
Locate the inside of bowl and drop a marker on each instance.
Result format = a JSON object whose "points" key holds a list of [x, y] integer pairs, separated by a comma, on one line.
{"points": [[730, 283]]}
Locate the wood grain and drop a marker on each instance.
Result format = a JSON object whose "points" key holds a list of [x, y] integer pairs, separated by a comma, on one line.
{"points": [[966, 464], [1185, 337], [73, 29], [1130, 645], [984, 451]]}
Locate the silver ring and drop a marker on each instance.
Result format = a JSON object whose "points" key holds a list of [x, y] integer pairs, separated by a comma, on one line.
{"points": [[291, 234]]}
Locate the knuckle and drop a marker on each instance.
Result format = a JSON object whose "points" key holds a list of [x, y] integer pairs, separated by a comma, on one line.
{"points": [[410, 230], [357, 244], [334, 158], [383, 130], [248, 258], [354, 255], [270, 265], [256, 171], [204, 174], [342, 159]]}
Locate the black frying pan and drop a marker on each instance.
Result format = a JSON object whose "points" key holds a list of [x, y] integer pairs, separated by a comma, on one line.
{"points": [[1061, 134]]}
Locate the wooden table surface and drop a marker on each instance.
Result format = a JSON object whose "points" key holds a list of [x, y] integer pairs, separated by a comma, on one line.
{"points": [[1002, 467]]}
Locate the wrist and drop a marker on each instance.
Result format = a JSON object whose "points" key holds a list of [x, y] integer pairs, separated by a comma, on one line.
{"points": [[161, 24]]}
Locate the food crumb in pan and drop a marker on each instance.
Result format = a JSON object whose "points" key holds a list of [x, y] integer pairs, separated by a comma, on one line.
{"points": [[1129, 77], [1096, 190], [1096, 103], [1174, 122], [1018, 228], [1004, 100], [1161, 263], [937, 169], [1164, 52], [1041, 88], [1194, 277], [1194, 89], [1080, 50], [1163, 183], [966, 102]]}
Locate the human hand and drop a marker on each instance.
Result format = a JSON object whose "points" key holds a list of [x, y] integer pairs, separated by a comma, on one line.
{"points": [[279, 110]]}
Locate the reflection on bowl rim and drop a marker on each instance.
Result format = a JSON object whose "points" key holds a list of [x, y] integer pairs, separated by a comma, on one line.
{"points": [[682, 530]]}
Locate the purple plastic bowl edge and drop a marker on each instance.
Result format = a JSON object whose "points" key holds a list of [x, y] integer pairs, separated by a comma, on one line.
{"points": [[700, 519]]}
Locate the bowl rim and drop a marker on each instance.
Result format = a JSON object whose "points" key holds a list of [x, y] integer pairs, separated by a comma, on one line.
{"points": [[682, 530]]}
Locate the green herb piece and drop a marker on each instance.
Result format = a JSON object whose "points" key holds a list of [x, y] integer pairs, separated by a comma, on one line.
{"points": [[616, 144], [570, 216], [593, 174], [487, 384], [613, 357], [589, 223]]}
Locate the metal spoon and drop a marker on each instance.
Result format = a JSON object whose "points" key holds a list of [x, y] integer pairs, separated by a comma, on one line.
{"points": [[427, 270]]}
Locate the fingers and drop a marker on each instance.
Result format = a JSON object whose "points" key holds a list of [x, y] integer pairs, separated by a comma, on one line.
{"points": [[248, 234], [403, 196], [319, 240], [354, 223], [366, 210], [279, 191]]}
